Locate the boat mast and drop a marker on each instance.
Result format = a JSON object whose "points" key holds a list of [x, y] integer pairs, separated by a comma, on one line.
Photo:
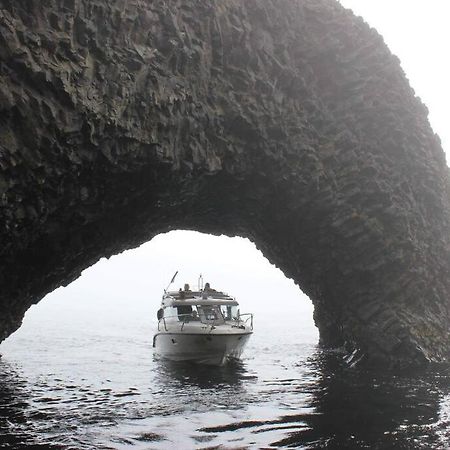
{"points": [[200, 282]]}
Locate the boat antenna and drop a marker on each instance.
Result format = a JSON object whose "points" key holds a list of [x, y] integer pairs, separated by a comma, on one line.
{"points": [[200, 282], [171, 281]]}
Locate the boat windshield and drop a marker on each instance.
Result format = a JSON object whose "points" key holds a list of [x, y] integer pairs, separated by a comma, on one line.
{"points": [[184, 309], [229, 312], [210, 313], [205, 313], [182, 312]]}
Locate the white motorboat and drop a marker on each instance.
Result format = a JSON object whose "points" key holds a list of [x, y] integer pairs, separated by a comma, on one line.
{"points": [[203, 326]]}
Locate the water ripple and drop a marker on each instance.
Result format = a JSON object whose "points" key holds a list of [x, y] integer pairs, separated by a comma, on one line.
{"points": [[301, 397]]}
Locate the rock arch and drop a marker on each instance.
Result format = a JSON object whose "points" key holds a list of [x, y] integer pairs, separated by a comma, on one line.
{"points": [[288, 122]]}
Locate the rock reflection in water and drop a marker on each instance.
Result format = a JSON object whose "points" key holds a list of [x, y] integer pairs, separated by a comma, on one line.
{"points": [[351, 408], [361, 409]]}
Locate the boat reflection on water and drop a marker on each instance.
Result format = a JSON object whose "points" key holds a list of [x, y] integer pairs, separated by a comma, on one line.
{"points": [[232, 374]]}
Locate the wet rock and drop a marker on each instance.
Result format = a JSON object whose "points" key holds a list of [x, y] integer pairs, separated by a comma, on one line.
{"points": [[288, 122]]}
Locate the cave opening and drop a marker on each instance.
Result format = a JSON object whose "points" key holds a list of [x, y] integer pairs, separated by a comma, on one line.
{"points": [[117, 298]]}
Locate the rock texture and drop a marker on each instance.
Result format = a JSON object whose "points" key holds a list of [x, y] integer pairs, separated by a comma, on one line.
{"points": [[286, 121]]}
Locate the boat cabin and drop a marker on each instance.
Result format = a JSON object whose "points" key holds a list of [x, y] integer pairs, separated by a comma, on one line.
{"points": [[207, 307]]}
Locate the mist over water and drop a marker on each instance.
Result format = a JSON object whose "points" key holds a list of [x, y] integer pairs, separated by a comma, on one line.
{"points": [[81, 373]]}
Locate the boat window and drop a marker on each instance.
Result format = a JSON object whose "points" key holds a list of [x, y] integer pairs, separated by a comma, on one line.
{"points": [[170, 311], [229, 312], [195, 315], [183, 311], [210, 313]]}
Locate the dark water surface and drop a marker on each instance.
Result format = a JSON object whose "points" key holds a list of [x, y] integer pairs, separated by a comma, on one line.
{"points": [[78, 380]]}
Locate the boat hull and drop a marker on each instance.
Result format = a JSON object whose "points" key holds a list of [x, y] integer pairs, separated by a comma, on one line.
{"points": [[201, 348]]}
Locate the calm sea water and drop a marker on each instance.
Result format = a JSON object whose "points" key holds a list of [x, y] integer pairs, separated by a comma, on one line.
{"points": [[87, 379]]}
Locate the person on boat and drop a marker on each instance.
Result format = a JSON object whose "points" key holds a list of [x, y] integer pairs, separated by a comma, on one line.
{"points": [[208, 288], [181, 293], [186, 293]]}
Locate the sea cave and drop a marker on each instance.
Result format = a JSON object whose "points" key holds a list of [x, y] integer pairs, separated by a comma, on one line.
{"points": [[286, 122]]}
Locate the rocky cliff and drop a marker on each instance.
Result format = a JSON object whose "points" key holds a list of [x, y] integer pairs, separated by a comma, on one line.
{"points": [[286, 121]]}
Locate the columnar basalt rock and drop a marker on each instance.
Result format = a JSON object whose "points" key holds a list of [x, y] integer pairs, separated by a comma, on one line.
{"points": [[286, 121]]}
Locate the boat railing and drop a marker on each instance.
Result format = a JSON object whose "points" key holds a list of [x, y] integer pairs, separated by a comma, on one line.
{"points": [[249, 318], [186, 318]]}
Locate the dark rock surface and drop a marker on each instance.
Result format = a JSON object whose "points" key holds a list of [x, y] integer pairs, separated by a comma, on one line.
{"points": [[286, 121]]}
